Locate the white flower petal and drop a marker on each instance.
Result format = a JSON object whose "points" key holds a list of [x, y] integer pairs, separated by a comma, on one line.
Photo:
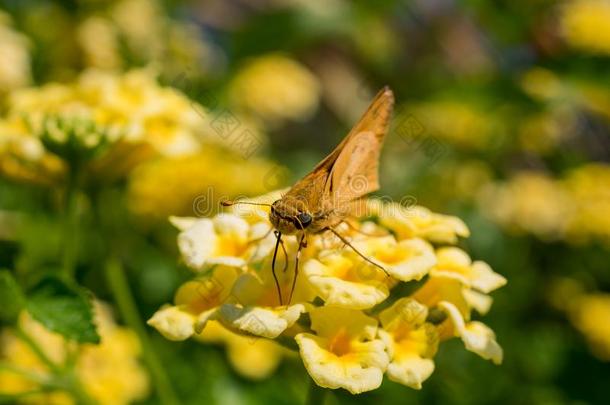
{"points": [[477, 337], [173, 323], [264, 322], [411, 371], [485, 279]]}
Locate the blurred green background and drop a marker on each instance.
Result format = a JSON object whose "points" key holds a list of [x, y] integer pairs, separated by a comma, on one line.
{"points": [[502, 118]]}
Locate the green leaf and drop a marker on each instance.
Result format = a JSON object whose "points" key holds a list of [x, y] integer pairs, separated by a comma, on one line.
{"points": [[11, 297], [63, 308]]}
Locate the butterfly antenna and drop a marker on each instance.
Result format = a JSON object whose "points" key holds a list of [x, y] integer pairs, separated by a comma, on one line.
{"points": [[338, 235], [230, 203]]}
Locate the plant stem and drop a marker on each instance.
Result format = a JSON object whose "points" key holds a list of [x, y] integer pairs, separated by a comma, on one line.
{"points": [[38, 351], [119, 285], [70, 231], [14, 398], [34, 377], [315, 394], [58, 380]]}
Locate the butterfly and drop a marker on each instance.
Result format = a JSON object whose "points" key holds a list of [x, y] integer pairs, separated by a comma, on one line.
{"points": [[324, 198]]}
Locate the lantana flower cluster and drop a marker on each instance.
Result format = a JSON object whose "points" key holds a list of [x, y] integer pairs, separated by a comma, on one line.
{"points": [[110, 372], [574, 207], [351, 322], [131, 114]]}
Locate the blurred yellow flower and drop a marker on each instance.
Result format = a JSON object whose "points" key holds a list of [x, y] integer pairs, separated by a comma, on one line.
{"points": [[463, 124], [252, 357], [138, 119], [584, 25], [542, 84], [139, 30], [194, 303], [589, 313], [99, 41], [15, 69], [542, 133], [528, 202], [196, 184], [133, 105], [243, 294], [109, 372], [589, 190], [275, 88], [575, 208]]}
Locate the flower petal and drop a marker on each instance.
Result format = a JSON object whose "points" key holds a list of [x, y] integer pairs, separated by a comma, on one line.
{"points": [[259, 321], [363, 372], [173, 323], [342, 282], [477, 337]]}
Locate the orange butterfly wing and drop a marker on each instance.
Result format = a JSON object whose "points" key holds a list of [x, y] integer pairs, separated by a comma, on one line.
{"points": [[351, 170]]}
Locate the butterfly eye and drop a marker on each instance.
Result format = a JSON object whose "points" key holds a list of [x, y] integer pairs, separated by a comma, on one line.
{"points": [[304, 218]]}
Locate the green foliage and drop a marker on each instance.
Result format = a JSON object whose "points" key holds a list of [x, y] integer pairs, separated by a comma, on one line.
{"points": [[11, 297], [63, 308]]}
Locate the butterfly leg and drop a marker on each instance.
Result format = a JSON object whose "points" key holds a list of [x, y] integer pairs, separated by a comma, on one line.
{"points": [[345, 241], [356, 229], [285, 256], [302, 244], [277, 283]]}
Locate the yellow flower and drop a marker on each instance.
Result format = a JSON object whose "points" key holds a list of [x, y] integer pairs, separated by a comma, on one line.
{"points": [[133, 105], [449, 294], [341, 346], [275, 88], [477, 337], [418, 222], [109, 372], [411, 342], [589, 191], [343, 279], [529, 202], [255, 308], [14, 54], [463, 124], [589, 314], [252, 357], [575, 208], [132, 113], [585, 25], [225, 239], [454, 262], [405, 260], [345, 351], [196, 184], [542, 84], [439, 289], [99, 41], [194, 303]]}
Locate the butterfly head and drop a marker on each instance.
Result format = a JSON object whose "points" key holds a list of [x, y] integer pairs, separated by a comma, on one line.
{"points": [[289, 215]]}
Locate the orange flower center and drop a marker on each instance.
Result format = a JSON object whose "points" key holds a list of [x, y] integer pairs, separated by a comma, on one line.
{"points": [[340, 343]]}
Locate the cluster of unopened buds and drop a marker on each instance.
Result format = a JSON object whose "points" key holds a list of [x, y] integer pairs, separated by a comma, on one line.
{"points": [[352, 321]]}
